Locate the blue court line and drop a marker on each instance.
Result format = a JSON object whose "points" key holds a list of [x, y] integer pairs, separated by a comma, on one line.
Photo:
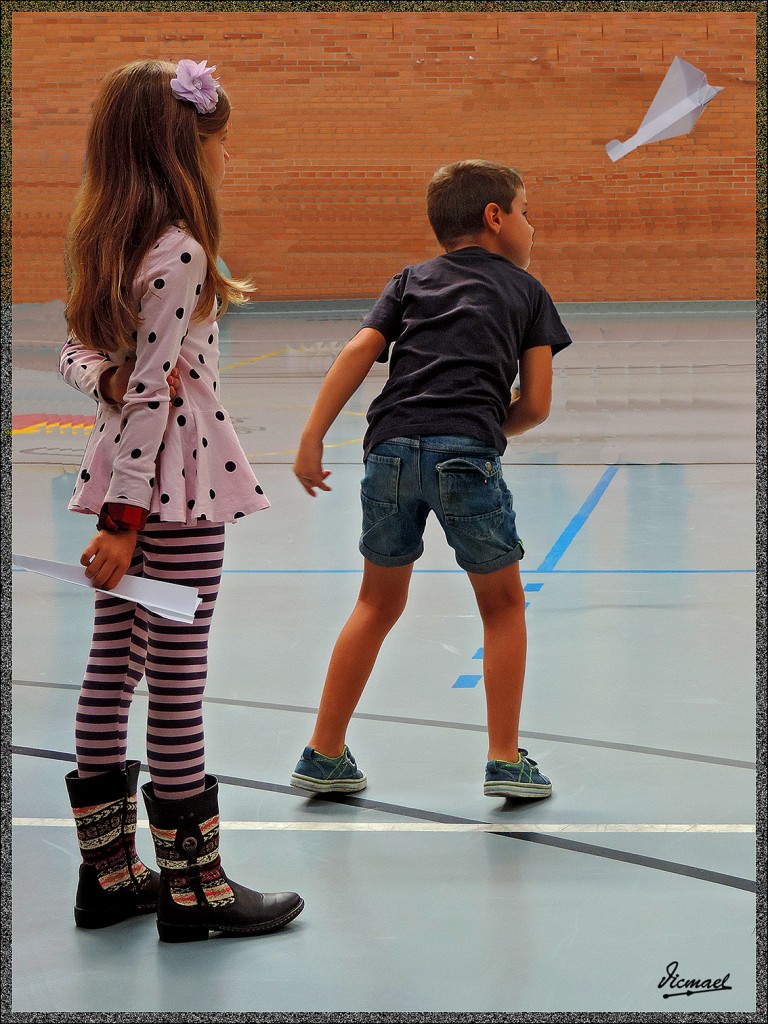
{"points": [[466, 682], [638, 572], [523, 572], [569, 533]]}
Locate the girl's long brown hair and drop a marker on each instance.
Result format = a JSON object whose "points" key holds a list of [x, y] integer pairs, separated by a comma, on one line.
{"points": [[144, 170]]}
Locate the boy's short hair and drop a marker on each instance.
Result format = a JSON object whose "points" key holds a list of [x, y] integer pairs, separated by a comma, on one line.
{"points": [[459, 193]]}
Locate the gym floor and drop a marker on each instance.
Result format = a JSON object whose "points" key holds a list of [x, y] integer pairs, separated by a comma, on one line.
{"points": [[636, 505]]}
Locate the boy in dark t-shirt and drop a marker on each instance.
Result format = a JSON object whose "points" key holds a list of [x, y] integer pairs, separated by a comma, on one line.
{"points": [[460, 327]]}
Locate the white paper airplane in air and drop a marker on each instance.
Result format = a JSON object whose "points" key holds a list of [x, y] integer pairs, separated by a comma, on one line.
{"points": [[676, 108]]}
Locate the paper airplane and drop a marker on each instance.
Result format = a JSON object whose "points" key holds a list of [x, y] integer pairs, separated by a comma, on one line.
{"points": [[170, 600], [676, 108]]}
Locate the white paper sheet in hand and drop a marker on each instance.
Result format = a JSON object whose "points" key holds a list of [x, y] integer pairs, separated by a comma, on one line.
{"points": [[676, 108], [170, 600]]}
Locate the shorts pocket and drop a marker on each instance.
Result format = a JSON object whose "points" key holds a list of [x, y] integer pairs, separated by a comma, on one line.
{"points": [[471, 493], [379, 488]]}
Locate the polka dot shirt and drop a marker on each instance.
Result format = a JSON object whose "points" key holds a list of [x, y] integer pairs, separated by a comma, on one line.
{"points": [[179, 459]]}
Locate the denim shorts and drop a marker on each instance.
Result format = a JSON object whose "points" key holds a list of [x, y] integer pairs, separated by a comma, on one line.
{"points": [[457, 478]]}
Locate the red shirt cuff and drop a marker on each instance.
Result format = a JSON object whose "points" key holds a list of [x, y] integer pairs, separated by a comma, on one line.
{"points": [[117, 518]]}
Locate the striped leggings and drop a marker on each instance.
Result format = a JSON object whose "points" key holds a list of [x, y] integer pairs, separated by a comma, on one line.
{"points": [[130, 642]]}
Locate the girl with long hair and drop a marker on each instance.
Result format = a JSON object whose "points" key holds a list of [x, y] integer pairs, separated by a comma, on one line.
{"points": [[163, 471]]}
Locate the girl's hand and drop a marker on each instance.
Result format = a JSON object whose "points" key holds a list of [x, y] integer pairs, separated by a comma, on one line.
{"points": [[108, 557], [308, 466], [114, 383], [173, 382]]}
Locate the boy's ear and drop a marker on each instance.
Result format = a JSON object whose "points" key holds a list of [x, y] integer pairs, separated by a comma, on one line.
{"points": [[492, 218]]}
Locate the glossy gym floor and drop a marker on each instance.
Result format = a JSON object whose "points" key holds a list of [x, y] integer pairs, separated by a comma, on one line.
{"points": [[636, 505]]}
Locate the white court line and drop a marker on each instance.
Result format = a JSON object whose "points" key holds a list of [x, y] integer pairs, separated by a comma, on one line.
{"points": [[418, 826]]}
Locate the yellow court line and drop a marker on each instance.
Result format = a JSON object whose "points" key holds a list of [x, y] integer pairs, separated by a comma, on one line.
{"points": [[293, 451], [255, 359], [267, 355]]}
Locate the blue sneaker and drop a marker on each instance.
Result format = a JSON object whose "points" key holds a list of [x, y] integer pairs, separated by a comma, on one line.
{"points": [[321, 774], [521, 778]]}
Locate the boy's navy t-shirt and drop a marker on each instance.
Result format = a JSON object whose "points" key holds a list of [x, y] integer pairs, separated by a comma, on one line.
{"points": [[457, 325]]}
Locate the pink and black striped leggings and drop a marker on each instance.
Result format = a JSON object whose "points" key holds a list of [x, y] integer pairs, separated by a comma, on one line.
{"points": [[129, 642]]}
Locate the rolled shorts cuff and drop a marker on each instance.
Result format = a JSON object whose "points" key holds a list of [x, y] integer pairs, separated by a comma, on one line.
{"points": [[508, 558], [389, 561]]}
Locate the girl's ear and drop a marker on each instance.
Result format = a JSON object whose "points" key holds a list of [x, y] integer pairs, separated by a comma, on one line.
{"points": [[492, 218]]}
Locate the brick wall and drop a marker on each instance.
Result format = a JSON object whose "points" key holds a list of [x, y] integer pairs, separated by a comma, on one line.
{"points": [[341, 119]]}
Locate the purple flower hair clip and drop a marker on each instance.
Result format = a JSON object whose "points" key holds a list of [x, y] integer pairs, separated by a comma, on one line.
{"points": [[195, 83]]}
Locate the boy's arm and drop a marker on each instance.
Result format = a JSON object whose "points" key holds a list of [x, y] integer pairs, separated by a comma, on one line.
{"points": [[532, 407], [341, 382]]}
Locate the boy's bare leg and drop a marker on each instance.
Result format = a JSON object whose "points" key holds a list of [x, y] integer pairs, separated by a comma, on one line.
{"points": [[501, 602], [382, 598]]}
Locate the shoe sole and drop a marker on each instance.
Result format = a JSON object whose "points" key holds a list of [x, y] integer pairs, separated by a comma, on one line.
{"points": [[198, 933], [103, 919], [328, 785], [521, 789]]}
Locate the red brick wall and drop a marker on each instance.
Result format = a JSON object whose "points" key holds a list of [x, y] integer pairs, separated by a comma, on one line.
{"points": [[341, 119]]}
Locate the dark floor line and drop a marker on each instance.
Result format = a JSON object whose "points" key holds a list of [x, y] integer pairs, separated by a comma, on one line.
{"points": [[507, 465], [671, 867], [574, 846], [580, 741], [460, 572]]}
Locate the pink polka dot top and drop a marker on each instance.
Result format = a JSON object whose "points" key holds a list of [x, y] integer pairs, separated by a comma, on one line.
{"points": [[180, 460]]}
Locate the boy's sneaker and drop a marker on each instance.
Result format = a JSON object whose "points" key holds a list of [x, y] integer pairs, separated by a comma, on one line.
{"points": [[321, 774], [521, 778]]}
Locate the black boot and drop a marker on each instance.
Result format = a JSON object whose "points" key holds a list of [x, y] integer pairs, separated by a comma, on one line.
{"points": [[113, 883], [195, 895]]}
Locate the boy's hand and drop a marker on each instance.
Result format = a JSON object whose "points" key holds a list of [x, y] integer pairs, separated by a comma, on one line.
{"points": [[308, 467], [530, 405], [341, 382], [108, 557]]}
